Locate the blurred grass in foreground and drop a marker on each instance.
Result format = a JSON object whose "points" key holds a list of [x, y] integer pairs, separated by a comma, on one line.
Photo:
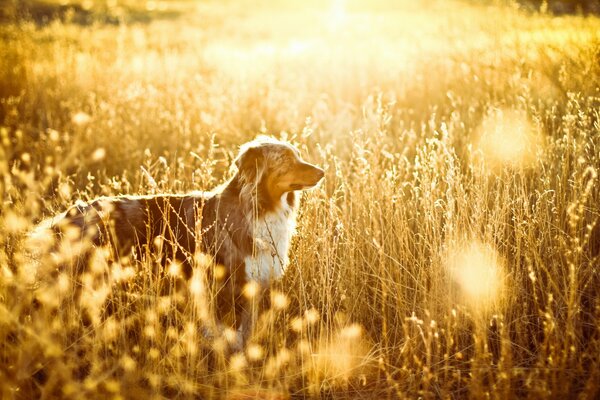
{"points": [[455, 137]]}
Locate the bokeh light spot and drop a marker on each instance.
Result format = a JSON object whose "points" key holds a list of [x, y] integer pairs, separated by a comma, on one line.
{"points": [[476, 268], [507, 138]]}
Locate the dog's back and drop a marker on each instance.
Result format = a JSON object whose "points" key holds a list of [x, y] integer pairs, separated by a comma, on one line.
{"points": [[159, 224]]}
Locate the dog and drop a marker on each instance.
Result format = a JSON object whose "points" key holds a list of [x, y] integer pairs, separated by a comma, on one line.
{"points": [[245, 225]]}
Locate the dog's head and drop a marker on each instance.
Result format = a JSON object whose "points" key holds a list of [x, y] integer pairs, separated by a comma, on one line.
{"points": [[275, 166]]}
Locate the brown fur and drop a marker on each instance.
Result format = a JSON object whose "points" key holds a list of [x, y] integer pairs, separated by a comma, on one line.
{"points": [[220, 223]]}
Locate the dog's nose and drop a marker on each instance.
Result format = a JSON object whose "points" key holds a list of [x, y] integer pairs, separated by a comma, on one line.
{"points": [[320, 173]]}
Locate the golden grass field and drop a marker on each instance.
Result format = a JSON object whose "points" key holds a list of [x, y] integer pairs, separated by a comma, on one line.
{"points": [[452, 250]]}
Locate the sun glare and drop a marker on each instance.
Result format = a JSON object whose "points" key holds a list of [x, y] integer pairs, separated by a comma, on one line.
{"points": [[337, 14], [477, 270]]}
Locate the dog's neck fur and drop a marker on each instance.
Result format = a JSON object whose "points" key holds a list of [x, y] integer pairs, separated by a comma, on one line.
{"points": [[272, 237], [270, 224]]}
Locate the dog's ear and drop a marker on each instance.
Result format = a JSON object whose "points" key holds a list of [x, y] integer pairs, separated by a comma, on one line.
{"points": [[250, 164]]}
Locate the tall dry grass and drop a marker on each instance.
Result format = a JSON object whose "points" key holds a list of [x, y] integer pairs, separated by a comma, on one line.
{"points": [[451, 251]]}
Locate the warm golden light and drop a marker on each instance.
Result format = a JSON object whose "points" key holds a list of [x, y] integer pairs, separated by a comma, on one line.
{"points": [[476, 268], [99, 154], [255, 352], [343, 356], [251, 289], [174, 269], [279, 301], [81, 118], [508, 138], [451, 249], [337, 14]]}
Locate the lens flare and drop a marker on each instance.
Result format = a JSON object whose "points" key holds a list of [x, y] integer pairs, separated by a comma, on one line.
{"points": [[477, 269]]}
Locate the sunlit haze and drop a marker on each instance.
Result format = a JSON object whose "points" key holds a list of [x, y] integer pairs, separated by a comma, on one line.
{"points": [[447, 244]]}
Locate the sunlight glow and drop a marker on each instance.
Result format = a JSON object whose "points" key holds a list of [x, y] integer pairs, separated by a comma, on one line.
{"points": [[279, 301], [342, 356], [99, 154], [337, 14], [197, 285], [81, 118], [508, 138], [174, 269], [251, 289], [255, 352], [476, 268]]}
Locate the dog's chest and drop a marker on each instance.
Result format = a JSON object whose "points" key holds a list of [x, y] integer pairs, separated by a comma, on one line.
{"points": [[272, 237]]}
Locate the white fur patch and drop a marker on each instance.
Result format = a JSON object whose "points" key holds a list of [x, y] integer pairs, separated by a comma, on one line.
{"points": [[272, 237]]}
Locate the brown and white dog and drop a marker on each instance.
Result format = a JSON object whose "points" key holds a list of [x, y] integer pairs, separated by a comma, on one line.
{"points": [[246, 225]]}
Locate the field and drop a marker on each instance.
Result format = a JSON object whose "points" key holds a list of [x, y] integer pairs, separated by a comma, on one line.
{"points": [[452, 250]]}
